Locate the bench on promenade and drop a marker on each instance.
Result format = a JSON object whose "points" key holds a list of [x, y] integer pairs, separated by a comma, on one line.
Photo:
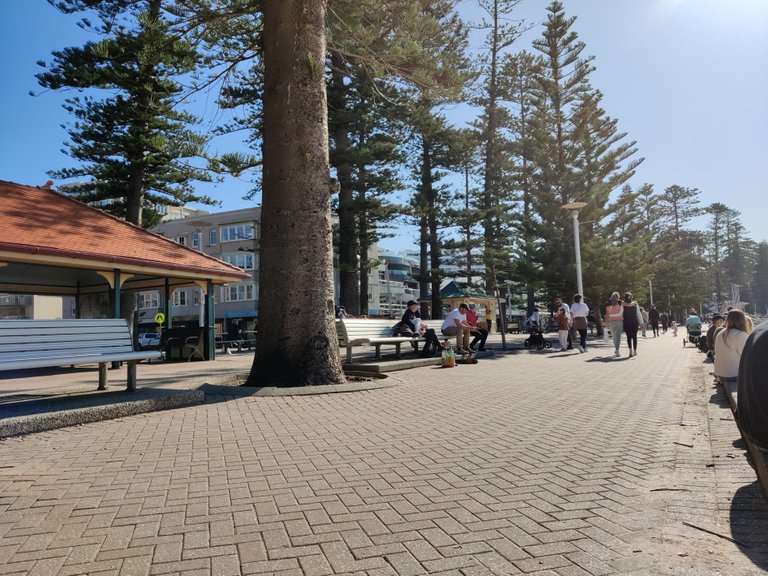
{"points": [[371, 332], [26, 344], [758, 455]]}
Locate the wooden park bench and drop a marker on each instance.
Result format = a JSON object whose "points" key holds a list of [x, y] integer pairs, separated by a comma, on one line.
{"points": [[372, 332], [26, 344]]}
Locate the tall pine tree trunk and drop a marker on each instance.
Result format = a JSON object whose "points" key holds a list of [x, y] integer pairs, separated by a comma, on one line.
{"points": [[430, 200], [296, 343], [348, 264]]}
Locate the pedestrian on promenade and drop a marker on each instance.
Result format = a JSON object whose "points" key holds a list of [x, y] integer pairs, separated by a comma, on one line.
{"points": [[563, 328], [653, 318], [729, 345], [752, 396], [579, 313], [644, 323], [560, 304], [455, 324], [664, 318], [614, 316], [632, 321], [674, 328]]}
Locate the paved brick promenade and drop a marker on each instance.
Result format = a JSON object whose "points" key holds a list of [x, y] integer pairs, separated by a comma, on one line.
{"points": [[528, 463]]}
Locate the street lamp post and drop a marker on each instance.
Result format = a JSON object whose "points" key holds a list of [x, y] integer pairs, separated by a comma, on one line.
{"points": [[574, 208]]}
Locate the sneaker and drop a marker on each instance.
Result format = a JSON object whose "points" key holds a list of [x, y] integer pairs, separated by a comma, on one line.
{"points": [[617, 353], [582, 349], [635, 351]]}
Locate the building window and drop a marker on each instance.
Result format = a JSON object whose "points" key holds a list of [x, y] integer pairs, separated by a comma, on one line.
{"points": [[196, 296], [180, 298], [149, 299], [238, 292], [181, 240], [236, 232], [244, 260], [213, 237], [196, 240]]}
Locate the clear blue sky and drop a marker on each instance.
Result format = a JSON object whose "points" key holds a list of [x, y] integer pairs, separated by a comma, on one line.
{"points": [[687, 79]]}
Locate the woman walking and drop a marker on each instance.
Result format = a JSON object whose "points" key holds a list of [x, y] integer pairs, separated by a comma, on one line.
{"points": [[614, 315], [632, 321], [579, 313]]}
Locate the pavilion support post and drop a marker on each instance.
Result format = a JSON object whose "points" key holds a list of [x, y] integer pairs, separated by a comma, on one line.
{"points": [[210, 344]]}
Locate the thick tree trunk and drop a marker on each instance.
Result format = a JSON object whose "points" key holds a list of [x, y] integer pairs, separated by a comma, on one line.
{"points": [[428, 191], [296, 342]]}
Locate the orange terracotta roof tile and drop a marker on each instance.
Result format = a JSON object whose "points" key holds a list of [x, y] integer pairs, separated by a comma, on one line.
{"points": [[41, 221]]}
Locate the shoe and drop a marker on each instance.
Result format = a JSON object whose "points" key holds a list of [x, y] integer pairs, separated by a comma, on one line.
{"points": [[472, 347], [569, 348], [631, 354], [635, 351], [582, 349], [617, 353]]}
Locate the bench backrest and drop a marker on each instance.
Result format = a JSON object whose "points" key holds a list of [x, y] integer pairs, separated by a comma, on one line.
{"points": [[48, 339], [349, 329]]}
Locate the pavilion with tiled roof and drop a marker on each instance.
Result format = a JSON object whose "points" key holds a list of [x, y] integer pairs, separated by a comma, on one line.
{"points": [[52, 244]]}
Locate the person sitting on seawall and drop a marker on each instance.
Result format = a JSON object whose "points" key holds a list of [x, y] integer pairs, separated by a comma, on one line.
{"points": [[717, 321], [411, 325], [479, 334], [455, 324], [729, 344], [579, 313], [752, 396]]}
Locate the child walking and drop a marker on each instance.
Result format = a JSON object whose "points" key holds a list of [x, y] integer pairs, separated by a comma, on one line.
{"points": [[563, 328]]}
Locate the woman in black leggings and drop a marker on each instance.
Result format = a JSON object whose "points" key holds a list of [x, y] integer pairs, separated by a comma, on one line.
{"points": [[632, 321]]}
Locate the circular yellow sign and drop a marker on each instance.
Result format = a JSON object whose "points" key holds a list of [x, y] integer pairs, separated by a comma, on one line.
{"points": [[159, 317]]}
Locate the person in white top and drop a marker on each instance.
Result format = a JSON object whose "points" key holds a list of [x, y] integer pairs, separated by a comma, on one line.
{"points": [[729, 345], [579, 313], [560, 304], [455, 324]]}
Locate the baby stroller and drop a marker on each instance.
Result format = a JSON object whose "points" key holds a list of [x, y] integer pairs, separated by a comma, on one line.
{"points": [[694, 334], [536, 340]]}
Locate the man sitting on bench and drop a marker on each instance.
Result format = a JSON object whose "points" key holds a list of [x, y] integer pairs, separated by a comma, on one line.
{"points": [[455, 324]]}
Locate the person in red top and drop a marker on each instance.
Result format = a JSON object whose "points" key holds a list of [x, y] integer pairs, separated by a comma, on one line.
{"points": [[480, 334]]}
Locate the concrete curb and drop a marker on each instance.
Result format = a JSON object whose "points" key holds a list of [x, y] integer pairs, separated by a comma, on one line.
{"points": [[52, 413]]}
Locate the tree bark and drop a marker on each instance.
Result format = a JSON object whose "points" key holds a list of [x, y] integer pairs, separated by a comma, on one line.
{"points": [[296, 343]]}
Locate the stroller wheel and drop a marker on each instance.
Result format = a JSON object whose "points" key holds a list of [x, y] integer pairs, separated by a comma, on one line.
{"points": [[527, 343], [547, 344]]}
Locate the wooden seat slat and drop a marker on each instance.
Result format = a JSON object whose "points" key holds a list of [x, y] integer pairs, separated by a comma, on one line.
{"points": [[375, 332]]}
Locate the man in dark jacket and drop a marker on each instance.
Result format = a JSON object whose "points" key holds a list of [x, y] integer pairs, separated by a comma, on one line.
{"points": [[411, 325], [753, 387]]}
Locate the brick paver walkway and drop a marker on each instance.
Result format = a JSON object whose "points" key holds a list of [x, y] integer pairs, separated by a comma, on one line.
{"points": [[529, 463]]}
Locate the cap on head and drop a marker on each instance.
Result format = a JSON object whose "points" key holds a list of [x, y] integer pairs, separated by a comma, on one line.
{"points": [[411, 303], [717, 316], [463, 305]]}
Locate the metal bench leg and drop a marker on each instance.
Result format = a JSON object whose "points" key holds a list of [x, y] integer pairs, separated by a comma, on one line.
{"points": [[103, 376], [132, 376], [349, 354], [378, 350], [397, 350]]}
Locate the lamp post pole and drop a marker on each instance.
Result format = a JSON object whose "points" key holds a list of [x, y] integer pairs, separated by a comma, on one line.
{"points": [[574, 208]]}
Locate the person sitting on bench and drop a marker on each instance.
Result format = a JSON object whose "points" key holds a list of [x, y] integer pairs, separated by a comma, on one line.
{"points": [[412, 325], [455, 324]]}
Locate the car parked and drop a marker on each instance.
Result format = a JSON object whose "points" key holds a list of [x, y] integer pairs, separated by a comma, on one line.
{"points": [[150, 340]]}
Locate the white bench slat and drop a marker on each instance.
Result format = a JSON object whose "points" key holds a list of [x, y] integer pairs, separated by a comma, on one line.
{"points": [[42, 343], [375, 332]]}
